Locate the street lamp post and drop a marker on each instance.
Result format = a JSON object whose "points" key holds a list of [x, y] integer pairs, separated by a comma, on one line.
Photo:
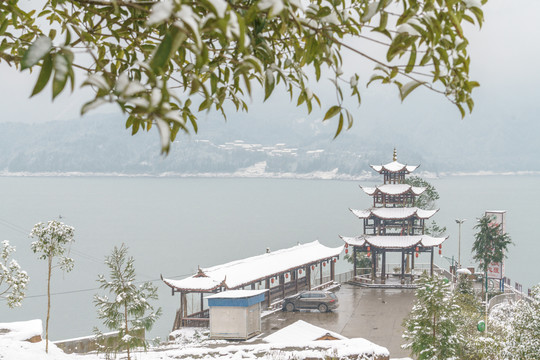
{"points": [[459, 222]]}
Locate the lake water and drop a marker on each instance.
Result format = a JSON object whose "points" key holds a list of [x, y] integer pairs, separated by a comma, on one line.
{"points": [[173, 225]]}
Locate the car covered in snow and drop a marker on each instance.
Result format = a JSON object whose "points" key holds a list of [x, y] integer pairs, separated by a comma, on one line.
{"points": [[321, 300]]}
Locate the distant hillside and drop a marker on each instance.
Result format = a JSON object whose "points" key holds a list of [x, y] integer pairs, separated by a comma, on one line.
{"points": [[102, 145]]}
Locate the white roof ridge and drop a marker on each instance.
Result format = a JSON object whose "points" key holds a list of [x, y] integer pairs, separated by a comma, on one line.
{"points": [[255, 268], [394, 241], [394, 166], [394, 212]]}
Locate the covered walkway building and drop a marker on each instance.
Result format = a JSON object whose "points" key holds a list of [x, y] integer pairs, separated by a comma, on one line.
{"points": [[282, 272]]}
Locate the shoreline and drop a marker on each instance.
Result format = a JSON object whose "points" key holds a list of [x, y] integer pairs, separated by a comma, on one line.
{"points": [[247, 174]]}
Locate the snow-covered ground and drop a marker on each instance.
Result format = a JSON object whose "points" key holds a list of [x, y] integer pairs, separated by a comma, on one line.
{"points": [[189, 344]]}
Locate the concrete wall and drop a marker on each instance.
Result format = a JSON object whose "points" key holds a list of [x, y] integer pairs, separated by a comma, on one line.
{"points": [[88, 343]]}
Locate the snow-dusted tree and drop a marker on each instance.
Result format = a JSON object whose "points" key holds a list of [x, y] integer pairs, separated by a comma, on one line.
{"points": [[13, 280], [431, 329], [490, 244], [53, 240], [128, 308], [524, 339], [427, 201], [470, 312]]}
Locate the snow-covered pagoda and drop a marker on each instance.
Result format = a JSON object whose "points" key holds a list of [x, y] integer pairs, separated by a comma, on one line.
{"points": [[393, 225]]}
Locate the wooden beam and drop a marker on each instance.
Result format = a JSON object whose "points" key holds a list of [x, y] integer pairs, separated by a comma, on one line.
{"points": [[402, 266], [308, 276], [383, 268], [202, 302], [268, 293], [354, 261], [431, 271], [320, 272], [282, 285], [295, 274]]}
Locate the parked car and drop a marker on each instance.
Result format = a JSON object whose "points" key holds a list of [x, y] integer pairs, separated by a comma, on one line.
{"points": [[320, 300]]}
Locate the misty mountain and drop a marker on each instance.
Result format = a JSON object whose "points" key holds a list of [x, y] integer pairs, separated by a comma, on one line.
{"points": [[101, 144]]}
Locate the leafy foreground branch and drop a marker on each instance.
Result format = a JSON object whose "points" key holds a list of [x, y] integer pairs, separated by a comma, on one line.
{"points": [[163, 61]]}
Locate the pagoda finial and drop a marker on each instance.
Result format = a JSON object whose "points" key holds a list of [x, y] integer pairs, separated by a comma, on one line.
{"points": [[395, 155]]}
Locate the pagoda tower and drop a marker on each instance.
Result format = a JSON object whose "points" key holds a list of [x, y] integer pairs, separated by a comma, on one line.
{"points": [[393, 223]]}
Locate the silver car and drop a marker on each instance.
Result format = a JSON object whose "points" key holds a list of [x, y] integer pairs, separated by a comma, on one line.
{"points": [[320, 300]]}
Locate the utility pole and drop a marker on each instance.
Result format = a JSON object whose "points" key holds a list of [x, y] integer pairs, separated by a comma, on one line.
{"points": [[459, 222]]}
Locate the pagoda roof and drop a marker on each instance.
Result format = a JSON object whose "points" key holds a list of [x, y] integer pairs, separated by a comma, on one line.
{"points": [[393, 189], [394, 167], [394, 242], [256, 268], [394, 213]]}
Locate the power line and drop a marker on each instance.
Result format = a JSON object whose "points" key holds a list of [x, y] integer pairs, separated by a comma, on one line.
{"points": [[79, 253], [74, 251], [94, 289]]}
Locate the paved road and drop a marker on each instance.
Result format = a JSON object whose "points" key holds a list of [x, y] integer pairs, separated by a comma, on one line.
{"points": [[372, 314]]}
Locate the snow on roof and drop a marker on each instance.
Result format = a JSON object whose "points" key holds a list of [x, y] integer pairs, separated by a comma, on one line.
{"points": [[394, 166], [21, 330], [341, 349], [393, 189], [429, 241], [241, 272], [195, 283], [368, 190], [362, 214], [418, 190], [394, 213], [236, 294], [394, 242], [300, 331]]}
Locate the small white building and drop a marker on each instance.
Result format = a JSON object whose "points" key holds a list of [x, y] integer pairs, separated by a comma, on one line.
{"points": [[235, 314], [302, 332]]}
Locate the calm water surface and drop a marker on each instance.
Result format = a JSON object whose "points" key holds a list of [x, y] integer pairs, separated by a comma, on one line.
{"points": [[173, 225]]}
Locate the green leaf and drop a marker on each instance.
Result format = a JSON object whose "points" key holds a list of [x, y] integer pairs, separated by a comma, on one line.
{"points": [[470, 104], [3, 26], [406, 89], [52, 34], [269, 84], [92, 105], [461, 110], [170, 43], [129, 122], [61, 72], [161, 56], [39, 48], [68, 37], [340, 125], [333, 111], [205, 104], [44, 75], [412, 60], [456, 23]]}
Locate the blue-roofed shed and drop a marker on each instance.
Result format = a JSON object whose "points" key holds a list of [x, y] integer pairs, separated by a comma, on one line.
{"points": [[235, 314]]}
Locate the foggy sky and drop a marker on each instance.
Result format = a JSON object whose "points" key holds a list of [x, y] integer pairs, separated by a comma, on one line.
{"points": [[504, 55]]}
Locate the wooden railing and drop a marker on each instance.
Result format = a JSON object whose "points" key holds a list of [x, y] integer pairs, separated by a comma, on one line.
{"points": [[198, 319]]}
